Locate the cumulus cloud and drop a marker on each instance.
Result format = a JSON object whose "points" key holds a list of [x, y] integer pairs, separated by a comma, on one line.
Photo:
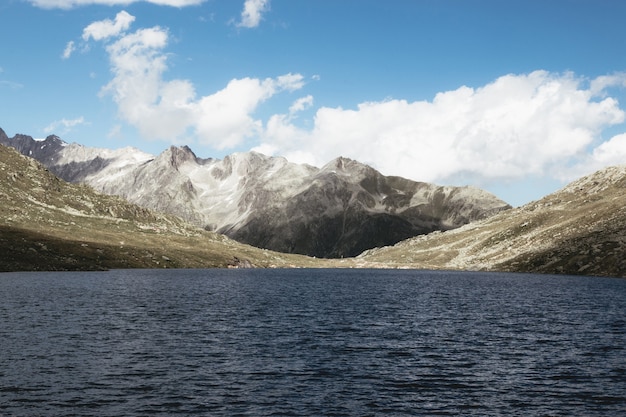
{"points": [[611, 152], [516, 126], [170, 109], [540, 125], [63, 126], [224, 119], [107, 28], [115, 132], [253, 13], [69, 4]]}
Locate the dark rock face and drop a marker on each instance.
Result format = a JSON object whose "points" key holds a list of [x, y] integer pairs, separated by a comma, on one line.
{"points": [[347, 207], [332, 216], [346, 235], [338, 210], [44, 151]]}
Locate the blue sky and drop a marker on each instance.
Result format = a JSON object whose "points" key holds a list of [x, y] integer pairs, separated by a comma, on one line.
{"points": [[517, 96]]}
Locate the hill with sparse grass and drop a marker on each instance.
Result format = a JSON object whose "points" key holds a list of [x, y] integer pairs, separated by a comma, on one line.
{"points": [[580, 229]]}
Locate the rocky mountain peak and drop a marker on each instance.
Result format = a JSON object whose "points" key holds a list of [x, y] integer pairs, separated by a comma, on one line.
{"points": [[20, 137], [248, 160], [47, 224], [353, 171], [54, 139], [248, 165], [176, 156], [44, 151], [340, 164], [579, 229]]}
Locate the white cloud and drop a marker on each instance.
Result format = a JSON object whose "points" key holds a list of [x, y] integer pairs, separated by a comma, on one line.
{"points": [[600, 84], [69, 4], [9, 84], [252, 13], [63, 126], [611, 152], [107, 28], [301, 104], [224, 119], [284, 134], [516, 126], [540, 125], [69, 49], [169, 109]]}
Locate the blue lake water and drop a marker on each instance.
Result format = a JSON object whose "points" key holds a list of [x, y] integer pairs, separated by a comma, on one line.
{"points": [[311, 343]]}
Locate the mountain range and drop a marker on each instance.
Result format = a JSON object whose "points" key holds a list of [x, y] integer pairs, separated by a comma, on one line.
{"points": [[338, 210], [49, 224]]}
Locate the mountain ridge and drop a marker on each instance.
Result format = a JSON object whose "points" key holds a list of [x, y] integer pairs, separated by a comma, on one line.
{"points": [[337, 210]]}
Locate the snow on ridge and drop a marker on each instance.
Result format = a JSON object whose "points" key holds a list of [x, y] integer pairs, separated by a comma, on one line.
{"points": [[119, 161], [78, 153]]}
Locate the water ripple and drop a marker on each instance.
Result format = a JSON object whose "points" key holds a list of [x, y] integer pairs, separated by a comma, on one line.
{"points": [[301, 343]]}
